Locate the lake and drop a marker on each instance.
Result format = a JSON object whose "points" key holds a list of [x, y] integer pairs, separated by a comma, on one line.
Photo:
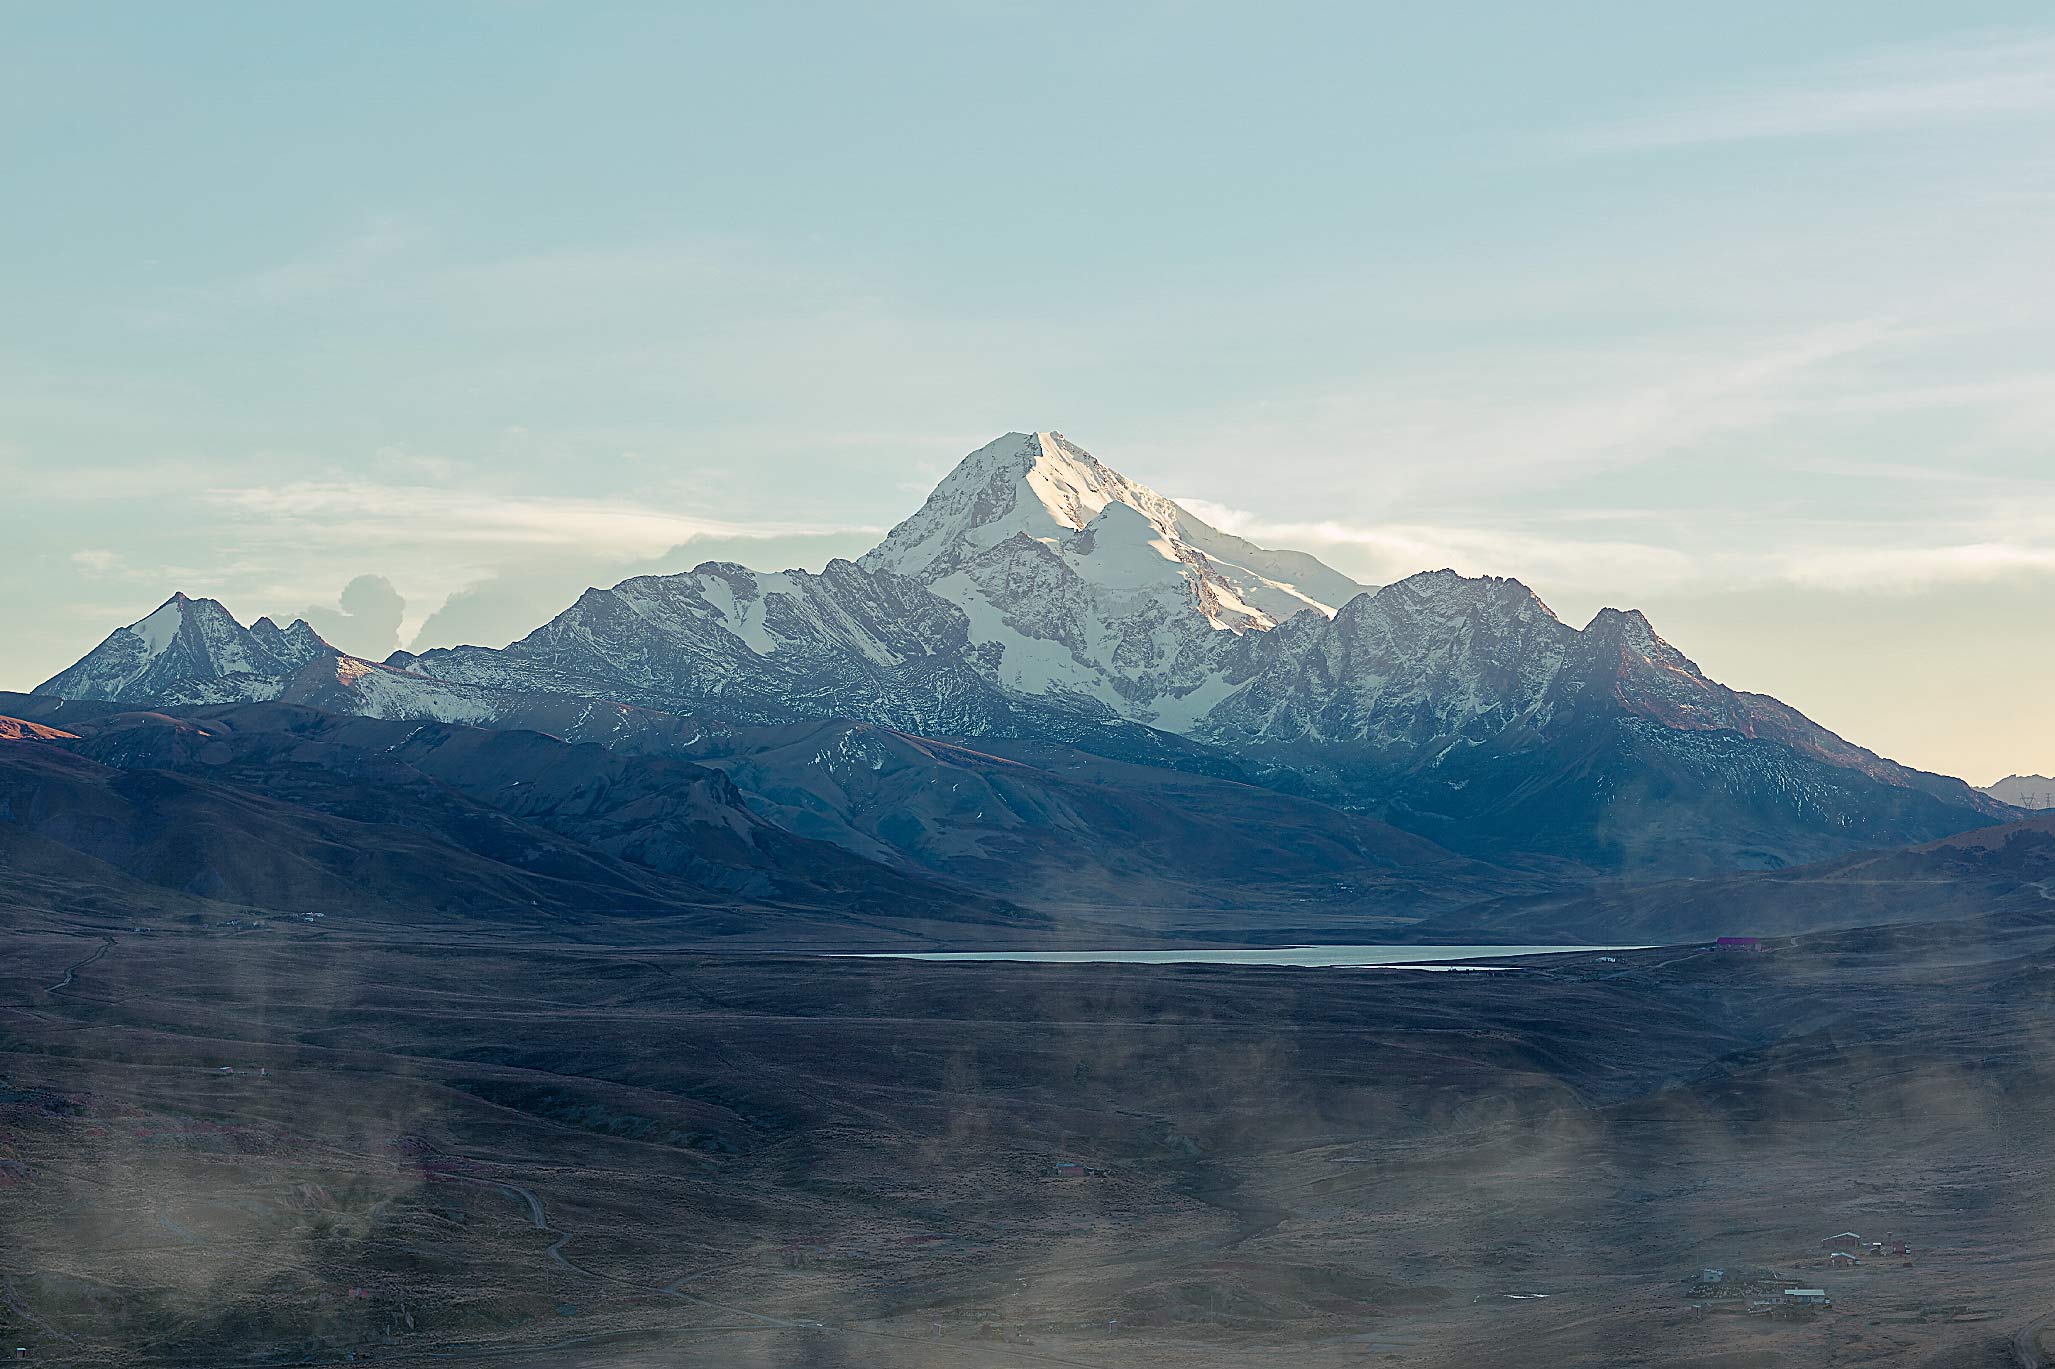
{"points": [[1307, 956]]}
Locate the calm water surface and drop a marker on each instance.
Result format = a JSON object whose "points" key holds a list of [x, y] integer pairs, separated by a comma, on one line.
{"points": [[1312, 956]]}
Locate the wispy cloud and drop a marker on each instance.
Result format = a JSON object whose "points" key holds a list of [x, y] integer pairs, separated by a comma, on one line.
{"points": [[368, 259], [407, 515], [1907, 568], [1979, 77], [348, 263], [1964, 531], [1382, 552], [1483, 427], [1975, 543]]}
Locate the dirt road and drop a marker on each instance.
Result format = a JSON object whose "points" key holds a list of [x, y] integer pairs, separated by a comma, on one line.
{"points": [[2026, 1344], [71, 970]]}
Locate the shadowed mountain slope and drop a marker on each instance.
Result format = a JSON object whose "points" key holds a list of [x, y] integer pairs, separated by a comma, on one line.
{"points": [[1049, 824], [274, 806]]}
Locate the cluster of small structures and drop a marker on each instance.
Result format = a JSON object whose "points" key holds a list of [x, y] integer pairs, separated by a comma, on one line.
{"points": [[1847, 1249], [1766, 1293], [1758, 1292]]}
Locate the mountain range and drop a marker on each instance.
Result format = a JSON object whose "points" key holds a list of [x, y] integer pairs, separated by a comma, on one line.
{"points": [[1052, 678], [2031, 792]]}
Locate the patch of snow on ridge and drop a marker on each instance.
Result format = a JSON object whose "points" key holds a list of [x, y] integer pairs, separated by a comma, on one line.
{"points": [[160, 629], [1027, 665], [1121, 549], [1181, 712], [383, 692], [744, 615], [1070, 492]]}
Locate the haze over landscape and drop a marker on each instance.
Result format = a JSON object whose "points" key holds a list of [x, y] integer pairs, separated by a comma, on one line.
{"points": [[584, 780]]}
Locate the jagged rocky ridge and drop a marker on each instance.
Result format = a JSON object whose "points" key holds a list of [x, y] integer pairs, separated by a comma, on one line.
{"points": [[192, 652], [1037, 594], [1465, 709], [1034, 589]]}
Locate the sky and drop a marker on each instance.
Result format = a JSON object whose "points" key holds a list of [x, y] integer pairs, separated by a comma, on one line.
{"points": [[415, 320]]}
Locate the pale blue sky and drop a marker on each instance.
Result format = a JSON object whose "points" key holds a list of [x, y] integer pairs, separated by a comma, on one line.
{"points": [[1740, 314]]}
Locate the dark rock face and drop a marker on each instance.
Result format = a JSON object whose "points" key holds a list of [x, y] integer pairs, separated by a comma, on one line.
{"points": [[280, 806]]}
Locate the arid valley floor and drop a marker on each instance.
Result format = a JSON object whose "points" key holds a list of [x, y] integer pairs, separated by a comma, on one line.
{"points": [[288, 1143]]}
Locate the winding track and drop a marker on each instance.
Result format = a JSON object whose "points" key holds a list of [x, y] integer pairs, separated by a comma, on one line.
{"points": [[71, 970], [2026, 1342], [27, 1314]]}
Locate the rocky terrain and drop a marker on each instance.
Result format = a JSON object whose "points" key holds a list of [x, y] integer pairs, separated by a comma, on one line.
{"points": [[1040, 596], [840, 835]]}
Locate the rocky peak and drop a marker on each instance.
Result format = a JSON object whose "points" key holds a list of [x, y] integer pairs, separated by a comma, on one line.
{"points": [[189, 650], [1442, 615], [1628, 630], [1037, 485], [1046, 488], [294, 645]]}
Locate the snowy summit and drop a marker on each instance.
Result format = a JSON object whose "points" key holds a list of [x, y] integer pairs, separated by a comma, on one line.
{"points": [[1111, 531], [1091, 588]]}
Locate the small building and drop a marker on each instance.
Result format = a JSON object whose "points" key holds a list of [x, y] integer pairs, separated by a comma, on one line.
{"points": [[1846, 1240], [1738, 943], [1841, 1259], [1708, 1283], [1068, 1169], [1808, 1297]]}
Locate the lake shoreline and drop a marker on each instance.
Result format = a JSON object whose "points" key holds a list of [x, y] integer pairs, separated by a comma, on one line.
{"points": [[1366, 956]]}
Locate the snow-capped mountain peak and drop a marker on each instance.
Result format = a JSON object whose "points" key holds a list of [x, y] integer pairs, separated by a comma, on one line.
{"points": [[1033, 575], [1038, 593], [193, 651], [190, 650], [1035, 485], [1090, 588], [161, 628], [1046, 488]]}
